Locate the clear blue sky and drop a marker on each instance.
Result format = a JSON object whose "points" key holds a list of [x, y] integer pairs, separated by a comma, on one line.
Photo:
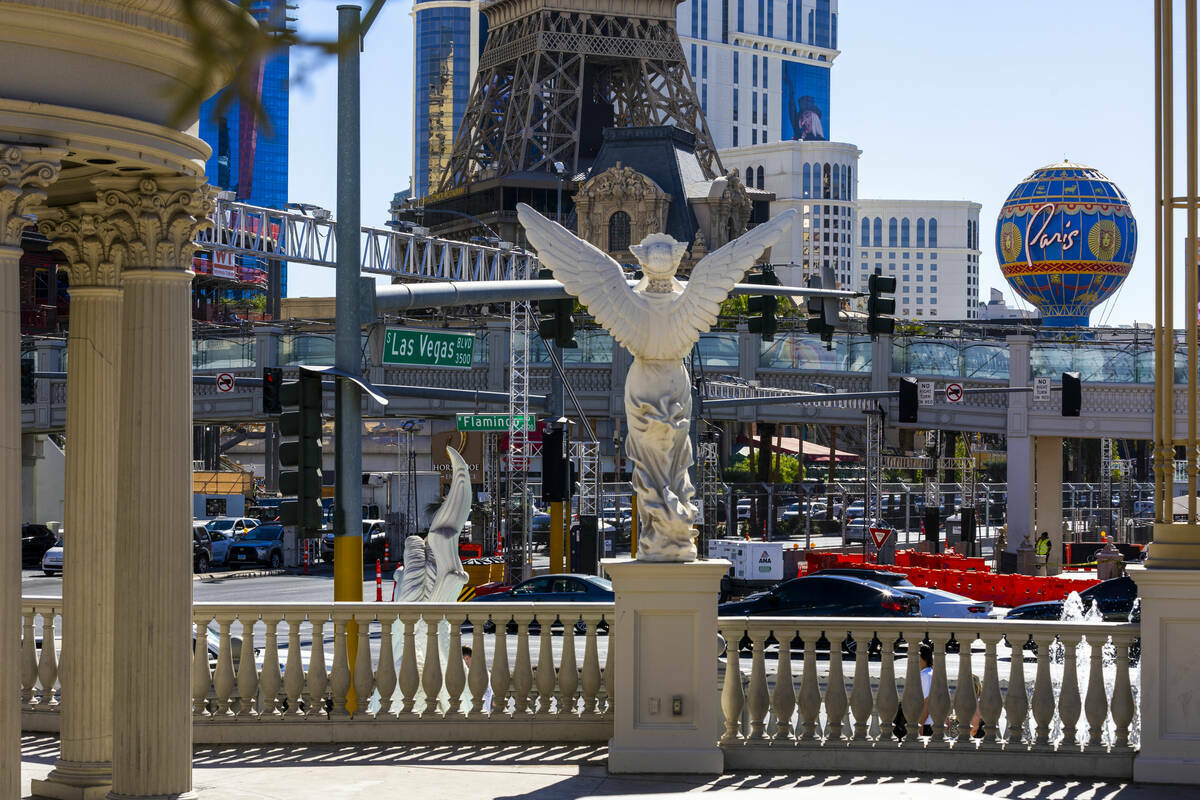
{"points": [[948, 99]]}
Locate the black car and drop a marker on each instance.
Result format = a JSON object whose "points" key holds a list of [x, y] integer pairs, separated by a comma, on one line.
{"points": [[554, 589], [202, 554], [374, 533], [886, 578], [261, 545], [35, 541], [826, 596], [1114, 598]]}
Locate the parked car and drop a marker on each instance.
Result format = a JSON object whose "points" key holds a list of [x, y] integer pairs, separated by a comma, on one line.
{"points": [[934, 602], [202, 551], [826, 596], [539, 530], [374, 533], [35, 541], [556, 589], [1114, 598], [856, 530], [856, 510], [262, 545], [220, 541], [52, 561], [236, 527]]}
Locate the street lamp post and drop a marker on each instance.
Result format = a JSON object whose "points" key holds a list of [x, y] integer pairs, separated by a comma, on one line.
{"points": [[559, 170]]}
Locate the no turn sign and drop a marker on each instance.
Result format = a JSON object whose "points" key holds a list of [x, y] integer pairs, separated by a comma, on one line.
{"points": [[954, 392], [225, 382]]}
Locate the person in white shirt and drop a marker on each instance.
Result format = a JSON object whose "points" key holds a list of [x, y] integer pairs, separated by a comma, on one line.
{"points": [[487, 693], [926, 682]]}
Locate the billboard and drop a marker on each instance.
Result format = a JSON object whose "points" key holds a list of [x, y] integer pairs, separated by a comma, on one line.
{"points": [[805, 102]]}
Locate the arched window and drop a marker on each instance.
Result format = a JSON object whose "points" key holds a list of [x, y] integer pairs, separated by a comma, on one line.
{"points": [[761, 183], [849, 183], [932, 232], [877, 234], [750, 177], [828, 185], [892, 229], [837, 181], [618, 232], [866, 232], [920, 232], [807, 180], [904, 232]]}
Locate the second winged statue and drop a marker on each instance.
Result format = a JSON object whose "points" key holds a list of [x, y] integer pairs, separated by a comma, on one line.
{"points": [[658, 321]]}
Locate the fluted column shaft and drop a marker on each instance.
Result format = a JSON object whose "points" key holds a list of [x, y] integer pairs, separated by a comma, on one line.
{"points": [[24, 173]]}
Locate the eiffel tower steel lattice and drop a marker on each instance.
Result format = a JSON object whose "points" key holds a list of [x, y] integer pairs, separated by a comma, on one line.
{"points": [[554, 74]]}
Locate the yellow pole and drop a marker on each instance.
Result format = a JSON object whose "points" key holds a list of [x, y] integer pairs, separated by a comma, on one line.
{"points": [[633, 527], [348, 588], [558, 538]]}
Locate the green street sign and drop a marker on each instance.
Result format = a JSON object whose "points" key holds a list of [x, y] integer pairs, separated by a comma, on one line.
{"points": [[494, 423], [409, 346]]}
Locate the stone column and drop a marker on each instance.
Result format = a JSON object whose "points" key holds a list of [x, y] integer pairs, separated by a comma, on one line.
{"points": [[1049, 515], [152, 721], [25, 172], [94, 252]]}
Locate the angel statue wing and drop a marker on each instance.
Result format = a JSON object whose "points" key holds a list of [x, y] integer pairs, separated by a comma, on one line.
{"points": [[714, 276], [588, 273], [432, 568]]}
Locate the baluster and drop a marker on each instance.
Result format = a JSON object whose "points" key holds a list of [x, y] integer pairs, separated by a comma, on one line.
{"points": [[1016, 704], [991, 703], [364, 676], [733, 698], [591, 667], [271, 679], [757, 699], [247, 671], [48, 663], [293, 673], [522, 678], [1043, 692], [28, 659], [836, 701], [409, 680], [501, 677], [456, 677], [887, 701], [809, 698], [568, 670], [913, 698], [965, 701], [1095, 706], [201, 677], [1069, 703], [783, 699], [317, 681], [339, 675], [431, 670], [1122, 697], [385, 674], [545, 668], [606, 685], [861, 701], [223, 682], [477, 677], [939, 690]]}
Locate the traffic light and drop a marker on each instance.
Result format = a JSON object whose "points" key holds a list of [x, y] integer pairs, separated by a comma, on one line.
{"points": [[272, 378], [28, 385], [302, 453], [556, 486], [560, 327], [909, 400], [823, 311], [879, 308], [1072, 394], [765, 324]]}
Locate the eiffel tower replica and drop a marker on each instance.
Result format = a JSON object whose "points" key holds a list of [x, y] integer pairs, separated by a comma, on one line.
{"points": [[555, 73]]}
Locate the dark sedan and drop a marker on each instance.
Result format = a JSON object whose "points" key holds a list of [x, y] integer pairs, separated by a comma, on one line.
{"points": [[826, 596], [554, 589], [35, 541], [1114, 598], [261, 545]]}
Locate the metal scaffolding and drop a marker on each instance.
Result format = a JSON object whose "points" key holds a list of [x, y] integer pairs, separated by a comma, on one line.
{"points": [[517, 553], [708, 461]]}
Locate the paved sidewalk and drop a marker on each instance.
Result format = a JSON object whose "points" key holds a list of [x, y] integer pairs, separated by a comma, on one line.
{"points": [[552, 772]]}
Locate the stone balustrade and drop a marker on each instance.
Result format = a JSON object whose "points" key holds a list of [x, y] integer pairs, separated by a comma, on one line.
{"points": [[815, 706], [295, 672]]}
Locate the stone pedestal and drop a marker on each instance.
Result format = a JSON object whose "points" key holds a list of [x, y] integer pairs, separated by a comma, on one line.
{"points": [[666, 717], [1170, 748]]}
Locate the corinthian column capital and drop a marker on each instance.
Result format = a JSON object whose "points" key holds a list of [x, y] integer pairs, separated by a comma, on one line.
{"points": [[156, 217], [90, 240], [25, 172]]}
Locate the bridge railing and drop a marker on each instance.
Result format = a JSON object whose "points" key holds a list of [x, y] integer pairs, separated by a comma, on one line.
{"points": [[1063, 695]]}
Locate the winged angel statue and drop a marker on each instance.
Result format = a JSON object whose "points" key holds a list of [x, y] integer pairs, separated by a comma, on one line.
{"points": [[658, 321], [432, 569]]}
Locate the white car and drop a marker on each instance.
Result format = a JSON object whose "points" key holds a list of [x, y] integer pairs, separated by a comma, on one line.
{"points": [[52, 561], [220, 540], [856, 530], [234, 527], [943, 604]]}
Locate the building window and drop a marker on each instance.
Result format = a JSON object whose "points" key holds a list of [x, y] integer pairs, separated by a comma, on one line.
{"points": [[754, 136], [618, 232], [770, 23], [933, 233], [920, 232], [808, 189], [741, 15], [762, 17], [735, 134], [764, 75], [695, 17], [866, 234], [753, 70], [754, 108], [764, 101], [826, 188], [877, 233], [704, 98], [904, 231], [704, 62], [892, 232], [735, 112], [790, 13], [704, 20], [761, 184], [735, 66]]}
